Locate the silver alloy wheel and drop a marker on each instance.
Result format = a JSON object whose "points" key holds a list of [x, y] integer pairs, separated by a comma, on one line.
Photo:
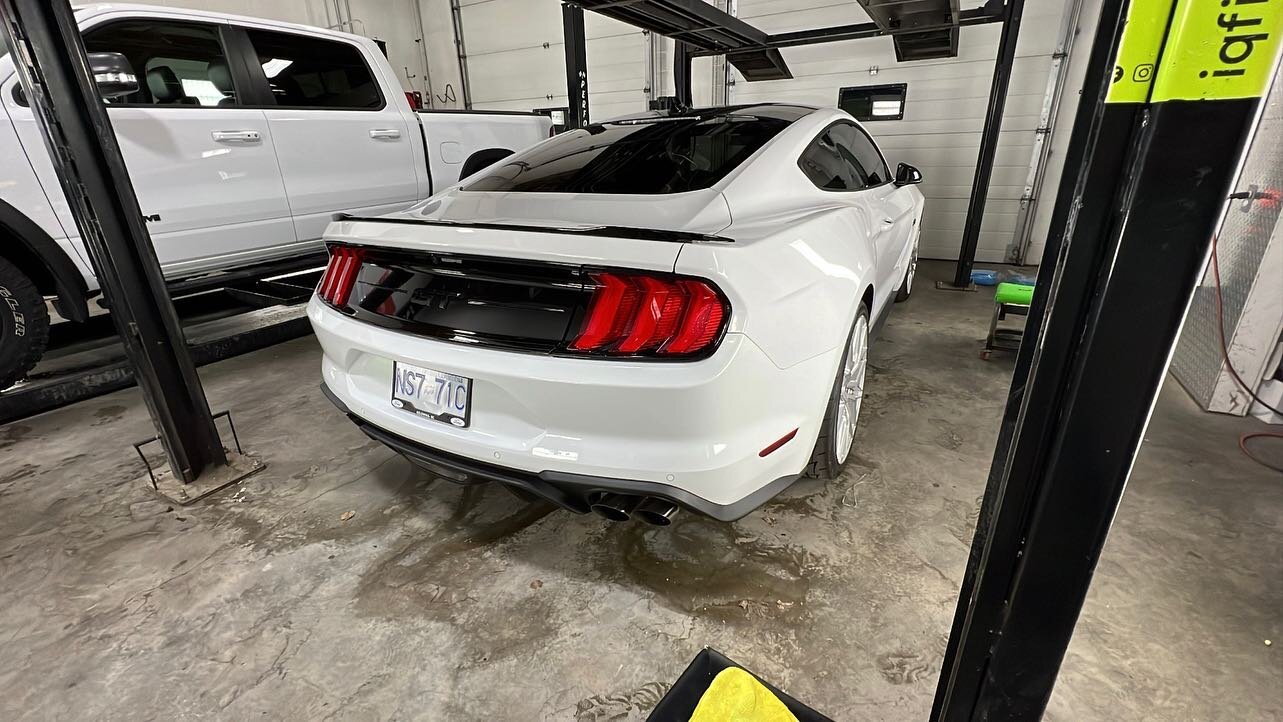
{"points": [[913, 268], [851, 392]]}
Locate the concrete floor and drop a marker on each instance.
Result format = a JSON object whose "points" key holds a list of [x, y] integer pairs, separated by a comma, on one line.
{"points": [[437, 602]]}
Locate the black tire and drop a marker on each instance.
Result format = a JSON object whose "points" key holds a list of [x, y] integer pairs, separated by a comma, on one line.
{"points": [[824, 462], [906, 284], [24, 324]]}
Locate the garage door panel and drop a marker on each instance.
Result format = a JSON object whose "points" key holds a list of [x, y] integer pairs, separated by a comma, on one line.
{"points": [[515, 74]]}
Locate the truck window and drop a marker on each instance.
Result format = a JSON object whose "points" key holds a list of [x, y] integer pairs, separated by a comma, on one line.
{"points": [[178, 63], [305, 72], [648, 155]]}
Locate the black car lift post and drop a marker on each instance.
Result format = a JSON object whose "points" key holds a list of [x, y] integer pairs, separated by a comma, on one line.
{"points": [[1169, 102], [989, 136], [572, 28], [50, 59]]}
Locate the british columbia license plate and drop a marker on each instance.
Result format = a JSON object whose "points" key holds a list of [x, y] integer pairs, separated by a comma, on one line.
{"points": [[435, 394]]}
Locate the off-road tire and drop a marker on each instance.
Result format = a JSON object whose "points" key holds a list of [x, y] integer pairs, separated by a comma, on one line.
{"points": [[24, 324], [824, 463]]}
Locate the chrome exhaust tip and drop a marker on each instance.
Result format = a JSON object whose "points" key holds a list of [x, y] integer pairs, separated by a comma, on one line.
{"points": [[656, 512], [615, 507]]}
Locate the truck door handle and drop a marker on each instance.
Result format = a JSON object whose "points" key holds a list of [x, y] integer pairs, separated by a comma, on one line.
{"points": [[385, 134], [237, 136]]}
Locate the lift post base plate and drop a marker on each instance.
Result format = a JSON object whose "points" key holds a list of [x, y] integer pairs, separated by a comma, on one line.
{"points": [[239, 467]]}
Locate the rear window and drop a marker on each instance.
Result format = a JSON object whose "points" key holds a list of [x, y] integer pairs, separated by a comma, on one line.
{"points": [[646, 156]]}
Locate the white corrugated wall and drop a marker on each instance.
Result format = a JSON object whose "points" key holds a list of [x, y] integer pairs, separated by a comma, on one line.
{"points": [[516, 58]]}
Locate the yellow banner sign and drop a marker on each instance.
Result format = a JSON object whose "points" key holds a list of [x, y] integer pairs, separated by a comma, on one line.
{"points": [[1138, 51], [1219, 50]]}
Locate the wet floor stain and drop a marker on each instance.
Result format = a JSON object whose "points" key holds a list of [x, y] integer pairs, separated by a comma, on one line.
{"points": [[887, 387], [21, 472], [705, 568], [13, 433], [903, 667], [626, 705], [438, 572], [948, 435], [108, 414]]}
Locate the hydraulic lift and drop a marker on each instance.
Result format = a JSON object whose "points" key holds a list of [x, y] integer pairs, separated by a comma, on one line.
{"points": [[222, 315]]}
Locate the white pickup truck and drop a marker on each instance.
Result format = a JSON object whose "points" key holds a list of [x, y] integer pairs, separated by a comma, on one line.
{"points": [[243, 138]]}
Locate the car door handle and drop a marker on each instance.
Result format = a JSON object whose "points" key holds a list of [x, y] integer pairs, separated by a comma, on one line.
{"points": [[385, 134], [237, 136]]}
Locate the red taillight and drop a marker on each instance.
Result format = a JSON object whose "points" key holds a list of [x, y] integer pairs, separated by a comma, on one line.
{"points": [[637, 314], [415, 98], [340, 275]]}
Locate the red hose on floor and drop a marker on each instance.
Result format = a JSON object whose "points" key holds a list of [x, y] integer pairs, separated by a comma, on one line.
{"points": [[1225, 354]]}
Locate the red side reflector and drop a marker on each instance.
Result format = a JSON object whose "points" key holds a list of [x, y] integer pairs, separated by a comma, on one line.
{"points": [[783, 440]]}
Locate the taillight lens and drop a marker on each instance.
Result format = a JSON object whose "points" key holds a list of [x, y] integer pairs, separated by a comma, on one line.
{"points": [[634, 314], [340, 275], [415, 99]]}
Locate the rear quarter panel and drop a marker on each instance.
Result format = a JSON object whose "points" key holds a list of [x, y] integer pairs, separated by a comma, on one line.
{"points": [[794, 280]]}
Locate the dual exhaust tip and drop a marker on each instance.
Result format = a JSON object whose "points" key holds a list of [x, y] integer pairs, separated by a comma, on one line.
{"points": [[618, 507]]}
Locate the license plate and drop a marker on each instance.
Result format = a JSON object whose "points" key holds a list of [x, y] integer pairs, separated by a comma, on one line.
{"points": [[434, 394]]}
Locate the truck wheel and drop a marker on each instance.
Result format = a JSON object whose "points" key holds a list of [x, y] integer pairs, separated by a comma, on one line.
{"points": [[24, 324]]}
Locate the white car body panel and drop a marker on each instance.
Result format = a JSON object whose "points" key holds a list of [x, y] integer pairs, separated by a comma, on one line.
{"points": [[799, 263]]}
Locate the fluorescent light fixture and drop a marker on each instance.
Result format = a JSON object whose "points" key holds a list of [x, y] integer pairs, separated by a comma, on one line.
{"points": [[886, 107]]}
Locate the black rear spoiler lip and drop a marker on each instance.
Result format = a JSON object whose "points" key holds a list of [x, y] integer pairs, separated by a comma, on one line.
{"points": [[639, 234]]}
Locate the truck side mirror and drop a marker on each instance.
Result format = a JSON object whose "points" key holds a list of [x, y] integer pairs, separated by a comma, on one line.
{"points": [[907, 175], [113, 74]]}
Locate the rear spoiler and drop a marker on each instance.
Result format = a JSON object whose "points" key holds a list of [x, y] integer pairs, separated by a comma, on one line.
{"points": [[640, 234]]}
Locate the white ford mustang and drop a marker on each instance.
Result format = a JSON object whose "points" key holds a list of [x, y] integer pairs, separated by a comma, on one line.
{"points": [[652, 313]]}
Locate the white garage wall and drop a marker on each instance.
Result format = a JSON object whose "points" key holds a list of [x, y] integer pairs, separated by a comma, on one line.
{"points": [[516, 58]]}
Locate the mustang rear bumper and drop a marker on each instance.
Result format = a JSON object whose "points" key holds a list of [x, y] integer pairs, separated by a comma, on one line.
{"points": [[570, 429], [572, 492]]}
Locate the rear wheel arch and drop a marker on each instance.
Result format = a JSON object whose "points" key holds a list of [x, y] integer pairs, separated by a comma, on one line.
{"points": [[36, 254], [481, 159]]}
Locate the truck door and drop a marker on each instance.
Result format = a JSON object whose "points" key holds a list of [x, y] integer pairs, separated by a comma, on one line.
{"points": [[202, 165], [344, 144]]}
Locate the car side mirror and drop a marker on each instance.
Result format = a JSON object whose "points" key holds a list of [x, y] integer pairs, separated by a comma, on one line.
{"points": [[907, 175], [113, 74]]}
